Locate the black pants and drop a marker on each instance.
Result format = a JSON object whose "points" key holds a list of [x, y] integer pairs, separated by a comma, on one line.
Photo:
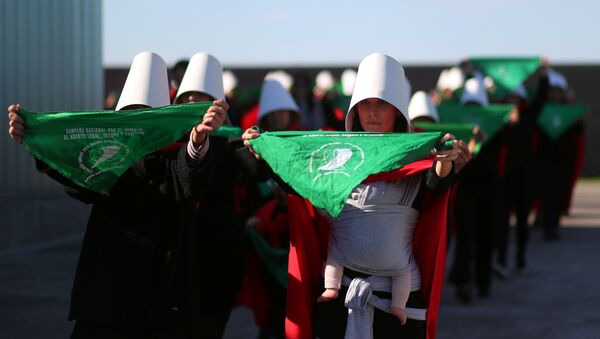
{"points": [[518, 195], [558, 161], [331, 317], [474, 236]]}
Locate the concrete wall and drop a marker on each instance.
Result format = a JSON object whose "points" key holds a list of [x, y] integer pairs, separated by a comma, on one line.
{"points": [[50, 60]]}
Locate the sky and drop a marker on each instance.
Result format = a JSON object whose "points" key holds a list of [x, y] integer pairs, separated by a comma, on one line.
{"points": [[331, 32]]}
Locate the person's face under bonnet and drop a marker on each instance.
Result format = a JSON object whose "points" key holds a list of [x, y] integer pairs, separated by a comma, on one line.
{"points": [[279, 120], [134, 106], [376, 115], [192, 97], [447, 93]]}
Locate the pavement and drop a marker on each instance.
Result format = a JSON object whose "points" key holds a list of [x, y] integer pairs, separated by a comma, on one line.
{"points": [[558, 297]]}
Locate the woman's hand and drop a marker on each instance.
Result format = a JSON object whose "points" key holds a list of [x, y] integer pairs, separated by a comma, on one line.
{"points": [[464, 156], [514, 116], [16, 124], [248, 135], [444, 159], [212, 121]]}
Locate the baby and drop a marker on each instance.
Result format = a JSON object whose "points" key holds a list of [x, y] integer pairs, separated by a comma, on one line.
{"points": [[373, 235]]}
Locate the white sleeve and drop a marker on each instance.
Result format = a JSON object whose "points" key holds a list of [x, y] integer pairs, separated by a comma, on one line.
{"points": [[197, 153]]}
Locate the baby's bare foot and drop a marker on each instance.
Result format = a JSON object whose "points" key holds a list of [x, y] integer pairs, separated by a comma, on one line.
{"points": [[329, 294], [400, 313]]}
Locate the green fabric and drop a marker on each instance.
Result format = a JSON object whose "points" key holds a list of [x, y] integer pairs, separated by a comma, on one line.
{"points": [[247, 96], [490, 118], [265, 188], [324, 167], [555, 119], [228, 132], [93, 149], [341, 102], [462, 132], [507, 73], [338, 88], [274, 259]]}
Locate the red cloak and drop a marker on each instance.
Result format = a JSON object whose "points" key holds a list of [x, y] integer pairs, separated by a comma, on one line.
{"points": [[308, 250]]}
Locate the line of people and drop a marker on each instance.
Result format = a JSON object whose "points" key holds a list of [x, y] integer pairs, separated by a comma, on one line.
{"points": [[198, 227]]}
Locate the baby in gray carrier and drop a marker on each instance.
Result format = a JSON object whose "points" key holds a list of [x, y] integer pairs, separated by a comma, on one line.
{"points": [[373, 235]]}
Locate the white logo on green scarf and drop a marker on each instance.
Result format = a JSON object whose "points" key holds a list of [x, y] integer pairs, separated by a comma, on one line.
{"points": [[557, 121], [336, 158], [101, 156]]}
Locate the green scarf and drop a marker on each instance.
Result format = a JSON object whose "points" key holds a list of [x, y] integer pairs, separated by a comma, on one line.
{"points": [[555, 119], [93, 149], [490, 118], [507, 73], [324, 167]]}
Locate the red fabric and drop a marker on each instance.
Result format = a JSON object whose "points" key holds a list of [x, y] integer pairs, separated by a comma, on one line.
{"points": [[249, 118], [253, 294], [429, 247], [579, 158], [338, 114], [308, 250], [172, 94], [406, 171], [172, 147], [502, 159], [273, 227]]}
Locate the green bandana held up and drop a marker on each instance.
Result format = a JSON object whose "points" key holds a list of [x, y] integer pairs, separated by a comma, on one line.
{"points": [[462, 132], [93, 149], [507, 73], [324, 167], [226, 131], [490, 118], [555, 119]]}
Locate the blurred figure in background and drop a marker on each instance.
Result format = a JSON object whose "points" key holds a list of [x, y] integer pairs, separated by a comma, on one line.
{"points": [[449, 82], [217, 264], [560, 158], [324, 86], [311, 116], [520, 176], [111, 100], [336, 101], [230, 84], [474, 210], [176, 75], [265, 285]]}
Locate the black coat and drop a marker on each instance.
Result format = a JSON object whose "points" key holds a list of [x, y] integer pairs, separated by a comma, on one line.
{"points": [[127, 274], [219, 228]]}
